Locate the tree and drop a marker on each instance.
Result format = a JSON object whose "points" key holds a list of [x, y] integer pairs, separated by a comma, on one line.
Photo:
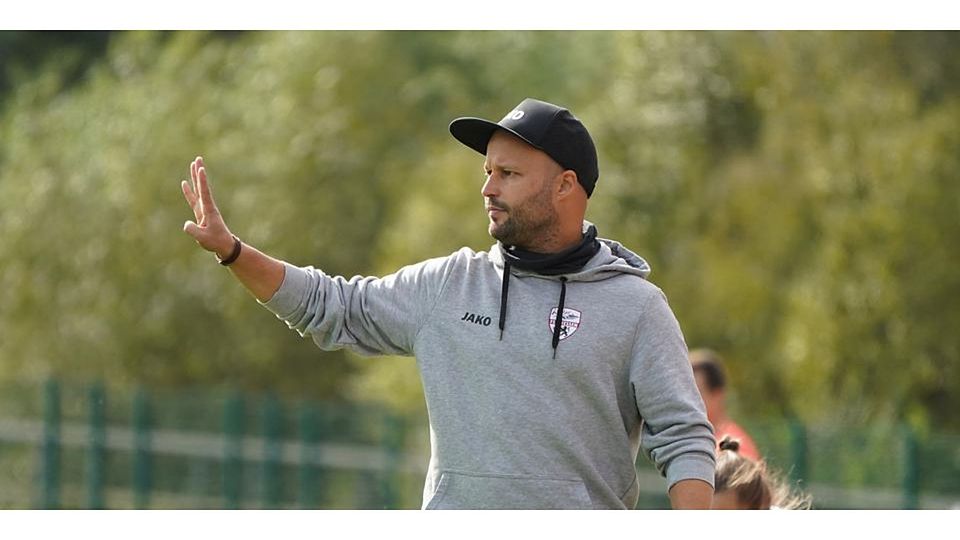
{"points": [[793, 192]]}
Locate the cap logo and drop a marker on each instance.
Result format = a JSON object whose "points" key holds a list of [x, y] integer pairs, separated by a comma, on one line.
{"points": [[515, 114]]}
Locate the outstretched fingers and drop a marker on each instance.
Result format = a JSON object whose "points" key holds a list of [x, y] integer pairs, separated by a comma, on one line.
{"points": [[191, 198], [193, 175], [206, 196], [208, 230]]}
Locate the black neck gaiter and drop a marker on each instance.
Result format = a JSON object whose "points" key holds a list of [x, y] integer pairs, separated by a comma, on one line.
{"points": [[548, 264], [567, 261]]}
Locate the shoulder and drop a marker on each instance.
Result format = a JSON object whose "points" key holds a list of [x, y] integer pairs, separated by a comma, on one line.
{"points": [[466, 253], [467, 258], [653, 310], [639, 289], [460, 261], [462, 256]]}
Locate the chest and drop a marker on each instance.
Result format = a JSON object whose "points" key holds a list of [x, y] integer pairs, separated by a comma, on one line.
{"points": [[597, 325]]}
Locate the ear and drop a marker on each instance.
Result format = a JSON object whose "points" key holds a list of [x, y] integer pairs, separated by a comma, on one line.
{"points": [[568, 184]]}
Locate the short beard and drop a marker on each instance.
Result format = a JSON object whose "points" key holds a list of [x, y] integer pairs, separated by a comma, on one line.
{"points": [[529, 224]]}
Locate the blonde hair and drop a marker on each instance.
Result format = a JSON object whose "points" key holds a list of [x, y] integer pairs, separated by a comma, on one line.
{"points": [[756, 486]]}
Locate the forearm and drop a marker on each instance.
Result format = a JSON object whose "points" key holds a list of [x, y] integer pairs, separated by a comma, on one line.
{"points": [[691, 495], [260, 273]]}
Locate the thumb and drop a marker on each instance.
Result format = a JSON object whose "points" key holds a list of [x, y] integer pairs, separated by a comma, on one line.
{"points": [[192, 229]]}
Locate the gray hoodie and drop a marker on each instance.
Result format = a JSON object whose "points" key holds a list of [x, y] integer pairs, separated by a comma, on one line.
{"points": [[512, 425]]}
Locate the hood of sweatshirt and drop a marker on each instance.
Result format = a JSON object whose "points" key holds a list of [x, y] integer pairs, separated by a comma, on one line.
{"points": [[612, 259]]}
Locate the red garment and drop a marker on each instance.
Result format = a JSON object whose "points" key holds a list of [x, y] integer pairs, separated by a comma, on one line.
{"points": [[747, 447]]}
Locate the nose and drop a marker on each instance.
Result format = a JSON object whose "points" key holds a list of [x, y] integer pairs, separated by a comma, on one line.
{"points": [[490, 187]]}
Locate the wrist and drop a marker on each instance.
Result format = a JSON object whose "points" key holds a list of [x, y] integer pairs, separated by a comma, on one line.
{"points": [[229, 255], [222, 246]]}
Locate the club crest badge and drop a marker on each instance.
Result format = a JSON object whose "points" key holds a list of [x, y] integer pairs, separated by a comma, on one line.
{"points": [[569, 323]]}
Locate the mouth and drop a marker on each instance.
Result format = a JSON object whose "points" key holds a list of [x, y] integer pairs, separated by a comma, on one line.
{"points": [[493, 210]]}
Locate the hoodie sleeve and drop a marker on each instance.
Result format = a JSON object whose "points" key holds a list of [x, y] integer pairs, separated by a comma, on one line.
{"points": [[367, 315], [676, 434]]}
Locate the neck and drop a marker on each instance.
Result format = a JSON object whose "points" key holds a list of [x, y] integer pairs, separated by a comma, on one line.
{"points": [[565, 261], [558, 240]]}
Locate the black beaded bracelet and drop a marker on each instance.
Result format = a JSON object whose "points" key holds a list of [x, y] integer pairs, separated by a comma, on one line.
{"points": [[234, 255]]}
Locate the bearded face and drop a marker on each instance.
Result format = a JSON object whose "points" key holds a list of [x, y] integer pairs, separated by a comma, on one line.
{"points": [[518, 192]]}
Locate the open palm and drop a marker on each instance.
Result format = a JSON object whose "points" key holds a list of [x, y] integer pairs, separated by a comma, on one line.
{"points": [[209, 230]]}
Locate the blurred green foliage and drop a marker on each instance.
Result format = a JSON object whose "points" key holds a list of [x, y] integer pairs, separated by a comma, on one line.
{"points": [[24, 53], [795, 193]]}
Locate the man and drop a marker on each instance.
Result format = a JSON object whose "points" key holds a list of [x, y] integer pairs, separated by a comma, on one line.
{"points": [[546, 362], [712, 382]]}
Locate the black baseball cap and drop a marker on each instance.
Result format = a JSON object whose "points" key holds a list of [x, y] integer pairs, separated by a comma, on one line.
{"points": [[545, 126]]}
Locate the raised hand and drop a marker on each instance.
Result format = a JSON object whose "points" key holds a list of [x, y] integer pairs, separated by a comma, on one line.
{"points": [[209, 230]]}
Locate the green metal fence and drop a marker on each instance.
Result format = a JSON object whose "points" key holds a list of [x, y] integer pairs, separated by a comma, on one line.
{"points": [[87, 446], [879, 466]]}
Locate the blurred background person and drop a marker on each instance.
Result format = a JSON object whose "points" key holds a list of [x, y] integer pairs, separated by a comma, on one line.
{"points": [[712, 381], [747, 484]]}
